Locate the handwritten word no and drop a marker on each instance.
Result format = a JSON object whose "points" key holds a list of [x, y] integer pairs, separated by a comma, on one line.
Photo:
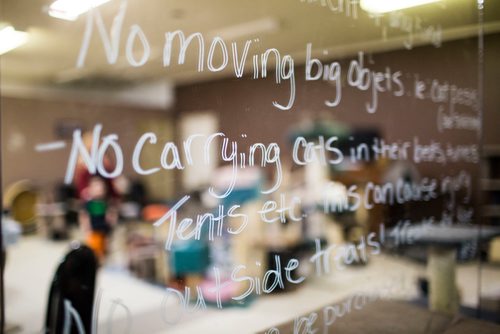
{"points": [[170, 157], [284, 65]]}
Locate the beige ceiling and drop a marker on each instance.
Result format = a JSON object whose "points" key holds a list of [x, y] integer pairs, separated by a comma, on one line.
{"points": [[49, 57]]}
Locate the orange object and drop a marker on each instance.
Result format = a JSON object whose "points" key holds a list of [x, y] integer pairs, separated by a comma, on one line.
{"points": [[97, 241], [154, 212]]}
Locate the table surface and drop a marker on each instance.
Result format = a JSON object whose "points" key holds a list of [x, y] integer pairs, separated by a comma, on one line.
{"points": [[389, 317]]}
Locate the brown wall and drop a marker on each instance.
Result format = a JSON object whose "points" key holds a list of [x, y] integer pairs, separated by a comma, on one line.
{"points": [[27, 122], [244, 105]]}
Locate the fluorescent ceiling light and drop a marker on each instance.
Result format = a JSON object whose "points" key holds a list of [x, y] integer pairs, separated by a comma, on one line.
{"points": [[250, 28], [71, 9], [11, 39], [385, 6]]}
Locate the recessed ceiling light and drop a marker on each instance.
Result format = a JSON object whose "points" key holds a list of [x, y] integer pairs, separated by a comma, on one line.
{"points": [[11, 39], [249, 28], [385, 6], [70, 9]]}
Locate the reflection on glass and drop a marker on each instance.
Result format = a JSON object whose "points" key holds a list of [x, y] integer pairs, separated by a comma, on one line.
{"points": [[273, 167]]}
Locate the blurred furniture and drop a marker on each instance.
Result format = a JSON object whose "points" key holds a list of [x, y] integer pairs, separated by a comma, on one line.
{"points": [[443, 242], [71, 295], [145, 243], [57, 210], [52, 221], [68, 197], [142, 252], [11, 231], [190, 257]]}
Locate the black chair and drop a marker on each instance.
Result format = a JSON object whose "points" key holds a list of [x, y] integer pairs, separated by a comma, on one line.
{"points": [[71, 296]]}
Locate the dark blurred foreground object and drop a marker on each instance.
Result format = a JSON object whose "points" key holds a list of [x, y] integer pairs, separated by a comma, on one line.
{"points": [[71, 296]]}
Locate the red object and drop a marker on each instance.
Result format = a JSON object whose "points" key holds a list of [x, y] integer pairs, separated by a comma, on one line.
{"points": [[153, 212]]}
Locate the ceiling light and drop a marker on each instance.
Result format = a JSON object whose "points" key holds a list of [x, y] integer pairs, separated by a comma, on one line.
{"points": [[71, 9], [11, 39], [250, 28], [384, 6]]}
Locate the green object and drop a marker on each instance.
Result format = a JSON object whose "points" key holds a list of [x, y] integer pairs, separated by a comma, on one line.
{"points": [[190, 258], [96, 207]]}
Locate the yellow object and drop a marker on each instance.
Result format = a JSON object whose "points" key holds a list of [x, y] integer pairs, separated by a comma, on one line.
{"points": [[20, 198], [494, 251]]}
